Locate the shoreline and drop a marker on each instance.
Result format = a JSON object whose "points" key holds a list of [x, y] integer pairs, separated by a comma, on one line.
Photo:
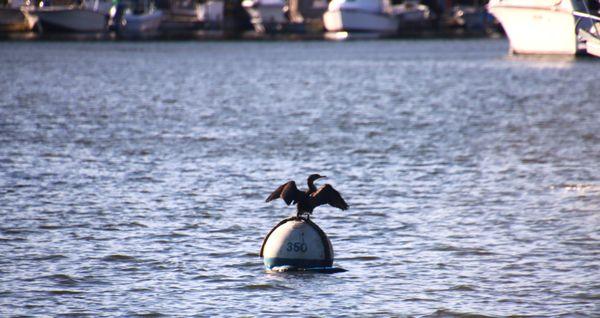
{"points": [[203, 35]]}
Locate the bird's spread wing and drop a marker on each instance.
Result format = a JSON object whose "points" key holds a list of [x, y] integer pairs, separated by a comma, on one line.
{"points": [[328, 195], [287, 191]]}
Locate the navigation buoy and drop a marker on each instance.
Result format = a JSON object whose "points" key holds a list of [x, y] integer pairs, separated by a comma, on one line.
{"points": [[297, 243]]}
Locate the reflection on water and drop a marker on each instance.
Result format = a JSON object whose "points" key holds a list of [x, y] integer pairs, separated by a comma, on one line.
{"points": [[133, 178], [547, 61]]}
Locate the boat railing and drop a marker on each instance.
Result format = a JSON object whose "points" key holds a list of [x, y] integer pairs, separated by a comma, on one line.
{"points": [[586, 15]]}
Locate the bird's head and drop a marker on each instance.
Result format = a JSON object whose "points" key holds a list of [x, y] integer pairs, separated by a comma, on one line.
{"points": [[315, 176]]}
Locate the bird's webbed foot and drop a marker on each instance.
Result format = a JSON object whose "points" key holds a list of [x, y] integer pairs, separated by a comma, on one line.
{"points": [[303, 215]]}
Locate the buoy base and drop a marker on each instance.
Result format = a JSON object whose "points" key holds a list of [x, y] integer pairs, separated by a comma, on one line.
{"points": [[271, 262], [292, 269]]}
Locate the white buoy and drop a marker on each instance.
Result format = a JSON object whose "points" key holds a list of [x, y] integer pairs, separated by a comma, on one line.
{"points": [[297, 243]]}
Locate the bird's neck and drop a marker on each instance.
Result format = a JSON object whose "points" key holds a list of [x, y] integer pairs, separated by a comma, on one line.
{"points": [[311, 186]]}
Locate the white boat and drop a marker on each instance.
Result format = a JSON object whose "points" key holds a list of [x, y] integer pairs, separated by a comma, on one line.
{"points": [[592, 43], [360, 16], [13, 19], [72, 18], [589, 29], [537, 26], [266, 15]]}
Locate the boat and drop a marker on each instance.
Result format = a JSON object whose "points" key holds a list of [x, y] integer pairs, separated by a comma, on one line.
{"points": [[412, 13], [140, 24], [137, 19], [470, 18], [307, 15], [266, 15], [302, 10], [66, 16], [592, 43], [12, 17], [69, 19], [180, 15], [588, 30], [212, 14], [360, 16], [537, 26]]}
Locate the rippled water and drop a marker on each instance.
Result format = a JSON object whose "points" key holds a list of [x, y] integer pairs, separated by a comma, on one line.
{"points": [[133, 178]]}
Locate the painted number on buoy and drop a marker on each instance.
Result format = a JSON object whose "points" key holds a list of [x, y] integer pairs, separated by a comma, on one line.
{"points": [[297, 247]]}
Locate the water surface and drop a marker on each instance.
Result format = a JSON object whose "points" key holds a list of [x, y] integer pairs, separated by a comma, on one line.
{"points": [[133, 178]]}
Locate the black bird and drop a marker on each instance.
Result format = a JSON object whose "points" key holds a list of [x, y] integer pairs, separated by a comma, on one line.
{"points": [[308, 200]]}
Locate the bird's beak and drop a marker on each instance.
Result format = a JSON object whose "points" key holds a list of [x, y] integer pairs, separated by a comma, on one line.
{"points": [[322, 177]]}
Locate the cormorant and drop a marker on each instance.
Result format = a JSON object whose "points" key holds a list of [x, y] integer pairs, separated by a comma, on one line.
{"points": [[308, 200]]}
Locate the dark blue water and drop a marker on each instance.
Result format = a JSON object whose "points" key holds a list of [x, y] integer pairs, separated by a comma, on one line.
{"points": [[133, 178]]}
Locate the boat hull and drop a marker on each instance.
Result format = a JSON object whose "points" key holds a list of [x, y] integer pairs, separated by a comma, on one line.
{"points": [[211, 13], [537, 30], [592, 42], [71, 20], [140, 25], [359, 21], [593, 47]]}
